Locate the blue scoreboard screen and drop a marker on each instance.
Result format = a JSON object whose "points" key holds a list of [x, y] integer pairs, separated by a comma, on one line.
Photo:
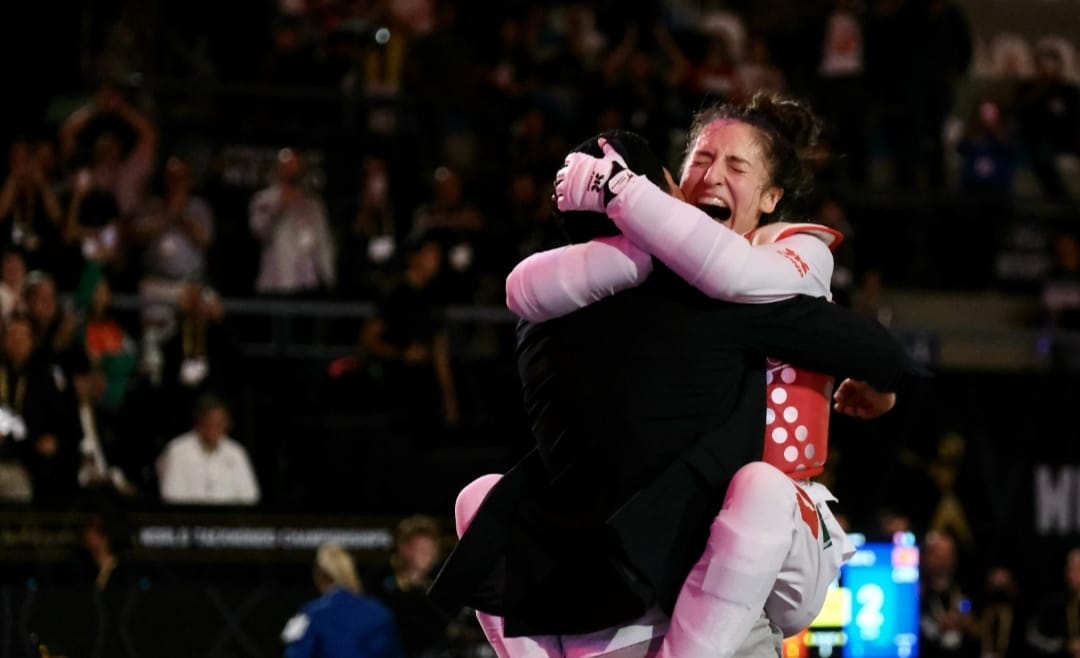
{"points": [[872, 610]]}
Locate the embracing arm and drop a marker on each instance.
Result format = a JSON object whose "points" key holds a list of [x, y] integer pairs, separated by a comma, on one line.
{"points": [[824, 337], [708, 255], [553, 283], [713, 258]]}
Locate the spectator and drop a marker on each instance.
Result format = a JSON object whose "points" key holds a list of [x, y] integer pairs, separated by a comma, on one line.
{"points": [[948, 45], [1048, 109], [101, 447], [449, 210], [840, 93], [37, 415], [1052, 630], [104, 120], [757, 71], [369, 237], [947, 624], [30, 211], [408, 337], [342, 622], [54, 327], [832, 213], [988, 152], [198, 357], [15, 485], [109, 346], [893, 34], [175, 231], [1000, 623], [402, 584], [1060, 302], [206, 467], [461, 229], [12, 281], [91, 228], [298, 254]]}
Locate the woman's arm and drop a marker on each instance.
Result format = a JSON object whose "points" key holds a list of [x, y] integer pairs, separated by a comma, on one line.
{"points": [[713, 258], [553, 283]]}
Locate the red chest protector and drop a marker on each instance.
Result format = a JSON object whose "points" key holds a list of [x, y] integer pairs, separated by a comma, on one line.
{"points": [[797, 400]]}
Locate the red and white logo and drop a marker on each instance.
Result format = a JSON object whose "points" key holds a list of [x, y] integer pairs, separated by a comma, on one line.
{"points": [[795, 259]]}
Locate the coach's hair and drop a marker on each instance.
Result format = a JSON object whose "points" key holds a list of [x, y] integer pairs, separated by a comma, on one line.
{"points": [[789, 134], [582, 225]]}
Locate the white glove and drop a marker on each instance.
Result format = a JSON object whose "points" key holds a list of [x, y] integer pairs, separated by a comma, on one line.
{"points": [[589, 183]]}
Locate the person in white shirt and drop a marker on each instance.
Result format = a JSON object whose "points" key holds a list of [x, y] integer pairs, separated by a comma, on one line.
{"points": [[298, 250], [204, 466]]}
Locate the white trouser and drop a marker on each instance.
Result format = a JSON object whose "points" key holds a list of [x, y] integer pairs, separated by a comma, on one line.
{"points": [[633, 640], [637, 639], [774, 545]]}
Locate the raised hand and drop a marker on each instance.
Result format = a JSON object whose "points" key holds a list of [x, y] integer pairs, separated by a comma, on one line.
{"points": [[860, 400], [589, 183]]}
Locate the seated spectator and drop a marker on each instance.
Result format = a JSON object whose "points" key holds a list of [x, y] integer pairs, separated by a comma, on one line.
{"points": [[947, 622], [1000, 616], [988, 152], [402, 584], [1060, 302], [1052, 630], [12, 282], [15, 486], [206, 467], [37, 417], [101, 445], [54, 327], [1048, 110], [110, 348], [342, 622]]}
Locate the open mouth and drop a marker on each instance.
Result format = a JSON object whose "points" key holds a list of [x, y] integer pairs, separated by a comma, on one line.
{"points": [[719, 213]]}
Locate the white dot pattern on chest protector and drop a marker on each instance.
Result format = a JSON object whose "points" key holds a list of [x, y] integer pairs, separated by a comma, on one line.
{"points": [[797, 418]]}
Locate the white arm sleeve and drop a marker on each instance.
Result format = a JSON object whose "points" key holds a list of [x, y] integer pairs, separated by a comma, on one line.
{"points": [[713, 258], [553, 283]]}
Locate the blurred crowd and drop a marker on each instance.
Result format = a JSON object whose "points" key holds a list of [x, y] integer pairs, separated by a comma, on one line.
{"points": [[124, 185], [140, 173]]}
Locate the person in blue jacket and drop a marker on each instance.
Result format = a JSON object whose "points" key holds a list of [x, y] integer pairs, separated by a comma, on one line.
{"points": [[342, 622]]}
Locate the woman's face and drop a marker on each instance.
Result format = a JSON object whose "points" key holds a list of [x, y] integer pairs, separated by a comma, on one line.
{"points": [[727, 176]]}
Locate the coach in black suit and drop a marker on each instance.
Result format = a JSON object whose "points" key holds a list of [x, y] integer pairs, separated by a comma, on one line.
{"points": [[643, 406]]}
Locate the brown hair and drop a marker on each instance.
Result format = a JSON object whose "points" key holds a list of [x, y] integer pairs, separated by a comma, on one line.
{"points": [[789, 133], [417, 524]]}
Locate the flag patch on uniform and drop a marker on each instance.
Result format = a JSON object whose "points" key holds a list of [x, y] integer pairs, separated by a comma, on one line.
{"points": [[295, 628]]}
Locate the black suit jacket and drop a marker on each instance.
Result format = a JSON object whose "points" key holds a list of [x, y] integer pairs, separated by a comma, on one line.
{"points": [[643, 407]]}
